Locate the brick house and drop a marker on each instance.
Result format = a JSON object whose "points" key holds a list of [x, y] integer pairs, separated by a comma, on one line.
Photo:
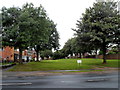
{"points": [[7, 53], [10, 54]]}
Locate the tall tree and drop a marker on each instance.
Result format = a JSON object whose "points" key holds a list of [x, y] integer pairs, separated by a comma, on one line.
{"points": [[67, 49], [25, 27], [53, 42], [39, 30], [42, 33], [14, 28], [100, 24], [76, 46]]}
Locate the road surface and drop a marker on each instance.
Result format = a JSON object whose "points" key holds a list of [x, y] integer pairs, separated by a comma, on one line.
{"points": [[88, 80]]}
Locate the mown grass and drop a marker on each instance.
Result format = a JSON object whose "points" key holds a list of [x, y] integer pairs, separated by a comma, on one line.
{"points": [[64, 64]]}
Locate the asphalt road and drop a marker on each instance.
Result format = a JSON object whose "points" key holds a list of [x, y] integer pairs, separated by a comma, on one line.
{"points": [[89, 80]]}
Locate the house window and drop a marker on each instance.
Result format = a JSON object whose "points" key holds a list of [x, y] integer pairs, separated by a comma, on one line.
{"points": [[2, 49]]}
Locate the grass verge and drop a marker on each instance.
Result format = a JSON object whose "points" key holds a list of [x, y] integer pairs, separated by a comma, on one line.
{"points": [[65, 64]]}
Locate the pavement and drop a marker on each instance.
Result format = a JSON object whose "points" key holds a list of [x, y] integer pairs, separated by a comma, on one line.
{"points": [[41, 79]]}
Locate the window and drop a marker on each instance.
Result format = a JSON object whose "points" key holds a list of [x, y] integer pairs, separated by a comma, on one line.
{"points": [[2, 49]]}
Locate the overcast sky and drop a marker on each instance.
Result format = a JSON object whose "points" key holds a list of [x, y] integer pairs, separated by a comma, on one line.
{"points": [[64, 13]]}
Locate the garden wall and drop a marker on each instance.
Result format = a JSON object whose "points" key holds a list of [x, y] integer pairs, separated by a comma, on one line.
{"points": [[110, 56]]}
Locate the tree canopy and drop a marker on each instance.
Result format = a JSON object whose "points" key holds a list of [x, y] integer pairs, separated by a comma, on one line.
{"points": [[99, 26], [28, 27]]}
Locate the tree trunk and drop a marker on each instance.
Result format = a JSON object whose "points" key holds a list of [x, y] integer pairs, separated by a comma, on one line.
{"points": [[104, 54], [96, 54], [20, 56], [80, 55], [37, 52]]}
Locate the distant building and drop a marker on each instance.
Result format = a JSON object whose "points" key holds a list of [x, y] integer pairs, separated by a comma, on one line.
{"points": [[10, 54], [7, 53]]}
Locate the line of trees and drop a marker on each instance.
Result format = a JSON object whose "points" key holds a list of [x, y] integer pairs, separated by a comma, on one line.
{"points": [[99, 28], [28, 27]]}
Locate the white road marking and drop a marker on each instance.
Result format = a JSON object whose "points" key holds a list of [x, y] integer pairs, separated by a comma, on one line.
{"points": [[5, 84]]}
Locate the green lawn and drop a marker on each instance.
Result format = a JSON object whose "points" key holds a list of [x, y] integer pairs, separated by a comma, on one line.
{"points": [[64, 64]]}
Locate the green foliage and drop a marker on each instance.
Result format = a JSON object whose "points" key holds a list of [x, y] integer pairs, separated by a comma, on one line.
{"points": [[67, 49], [30, 27], [15, 28], [99, 26], [13, 34], [53, 40], [71, 47], [58, 55], [54, 37], [100, 52], [111, 52], [76, 45], [46, 53]]}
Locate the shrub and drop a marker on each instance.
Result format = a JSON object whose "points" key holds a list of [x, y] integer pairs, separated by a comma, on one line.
{"points": [[46, 54], [58, 55]]}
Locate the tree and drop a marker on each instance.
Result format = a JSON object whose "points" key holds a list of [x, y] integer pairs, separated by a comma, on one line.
{"points": [[58, 55], [46, 53], [53, 38], [28, 27], [14, 28], [39, 30], [53, 42], [100, 24], [76, 46], [43, 31], [67, 48]]}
